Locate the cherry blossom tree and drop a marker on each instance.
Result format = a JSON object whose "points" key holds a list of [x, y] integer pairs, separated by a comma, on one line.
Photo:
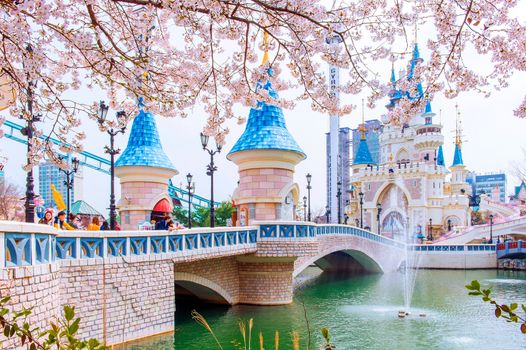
{"points": [[178, 54], [11, 205]]}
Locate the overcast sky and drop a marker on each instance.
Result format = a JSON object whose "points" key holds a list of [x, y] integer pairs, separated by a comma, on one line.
{"points": [[494, 138]]}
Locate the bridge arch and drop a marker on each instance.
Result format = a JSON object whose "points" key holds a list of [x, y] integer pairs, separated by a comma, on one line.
{"points": [[203, 288], [346, 254]]}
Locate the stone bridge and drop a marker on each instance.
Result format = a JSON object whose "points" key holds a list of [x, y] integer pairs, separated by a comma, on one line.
{"points": [[124, 284]]}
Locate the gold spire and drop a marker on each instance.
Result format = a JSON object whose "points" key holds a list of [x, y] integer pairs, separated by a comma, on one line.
{"points": [[458, 129], [362, 127], [416, 30], [265, 45]]}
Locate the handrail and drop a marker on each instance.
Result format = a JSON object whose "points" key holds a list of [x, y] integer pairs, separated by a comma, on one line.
{"points": [[23, 244]]}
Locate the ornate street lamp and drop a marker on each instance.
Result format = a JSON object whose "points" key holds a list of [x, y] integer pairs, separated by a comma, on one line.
{"points": [[211, 168], [327, 214], [339, 196], [28, 132], [102, 114], [69, 182], [430, 235], [309, 187], [190, 188], [361, 208], [304, 208], [491, 229], [379, 208]]}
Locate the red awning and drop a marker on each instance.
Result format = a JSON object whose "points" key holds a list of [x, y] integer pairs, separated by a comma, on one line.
{"points": [[163, 206]]}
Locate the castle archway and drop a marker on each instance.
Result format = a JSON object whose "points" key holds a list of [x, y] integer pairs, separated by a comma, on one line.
{"points": [[394, 218]]}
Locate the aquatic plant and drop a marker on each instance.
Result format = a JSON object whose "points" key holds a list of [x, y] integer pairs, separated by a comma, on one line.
{"points": [[247, 336]]}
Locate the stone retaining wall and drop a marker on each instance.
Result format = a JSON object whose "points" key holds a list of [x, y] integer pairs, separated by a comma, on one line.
{"points": [[34, 287]]}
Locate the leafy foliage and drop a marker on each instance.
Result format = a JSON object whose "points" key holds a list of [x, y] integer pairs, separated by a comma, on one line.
{"points": [[201, 216], [62, 334], [505, 311]]}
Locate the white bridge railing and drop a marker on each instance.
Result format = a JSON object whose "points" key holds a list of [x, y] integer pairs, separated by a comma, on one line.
{"points": [[24, 244]]}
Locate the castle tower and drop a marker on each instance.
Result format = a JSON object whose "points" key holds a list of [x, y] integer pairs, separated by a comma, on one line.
{"points": [[144, 171], [266, 155], [428, 137]]}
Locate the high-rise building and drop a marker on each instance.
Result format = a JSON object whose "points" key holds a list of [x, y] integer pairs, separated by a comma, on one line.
{"points": [[373, 129], [488, 183], [343, 172], [48, 174]]}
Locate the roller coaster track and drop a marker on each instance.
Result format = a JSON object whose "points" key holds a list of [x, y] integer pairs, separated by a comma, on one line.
{"points": [[101, 164]]}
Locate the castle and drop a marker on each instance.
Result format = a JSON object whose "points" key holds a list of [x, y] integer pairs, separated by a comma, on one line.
{"points": [[406, 190]]}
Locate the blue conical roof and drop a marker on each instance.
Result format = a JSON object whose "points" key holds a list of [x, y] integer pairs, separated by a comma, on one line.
{"points": [[144, 146], [363, 156], [394, 93], [457, 158], [414, 60], [266, 128], [440, 156]]}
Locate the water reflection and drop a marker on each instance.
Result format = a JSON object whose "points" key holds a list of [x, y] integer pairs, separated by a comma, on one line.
{"points": [[361, 313]]}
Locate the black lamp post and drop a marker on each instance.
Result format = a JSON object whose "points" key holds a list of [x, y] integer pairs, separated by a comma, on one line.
{"points": [[69, 181], [112, 151], [491, 229], [28, 132], [211, 168], [339, 196], [190, 188], [379, 208], [309, 187], [304, 208], [430, 235], [327, 214], [361, 208]]}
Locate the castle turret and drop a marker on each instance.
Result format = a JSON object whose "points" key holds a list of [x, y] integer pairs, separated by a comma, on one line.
{"points": [[144, 171], [428, 137], [266, 155]]}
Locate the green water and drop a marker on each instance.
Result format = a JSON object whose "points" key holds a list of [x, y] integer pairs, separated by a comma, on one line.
{"points": [[361, 313]]}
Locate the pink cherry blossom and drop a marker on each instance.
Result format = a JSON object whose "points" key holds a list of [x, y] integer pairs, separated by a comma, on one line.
{"points": [[178, 54]]}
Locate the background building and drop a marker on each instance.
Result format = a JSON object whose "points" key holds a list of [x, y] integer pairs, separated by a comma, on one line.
{"points": [[48, 174], [343, 172], [373, 129], [487, 183]]}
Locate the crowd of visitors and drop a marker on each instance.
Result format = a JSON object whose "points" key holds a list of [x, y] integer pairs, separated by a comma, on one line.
{"points": [[165, 223], [73, 222]]}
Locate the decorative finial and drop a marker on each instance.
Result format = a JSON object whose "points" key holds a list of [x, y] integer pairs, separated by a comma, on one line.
{"points": [[265, 45], [362, 127], [140, 102], [458, 129], [416, 29]]}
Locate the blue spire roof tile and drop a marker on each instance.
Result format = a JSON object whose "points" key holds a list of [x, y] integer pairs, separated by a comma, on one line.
{"points": [[363, 156], [144, 145], [266, 128], [457, 159], [440, 156]]}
